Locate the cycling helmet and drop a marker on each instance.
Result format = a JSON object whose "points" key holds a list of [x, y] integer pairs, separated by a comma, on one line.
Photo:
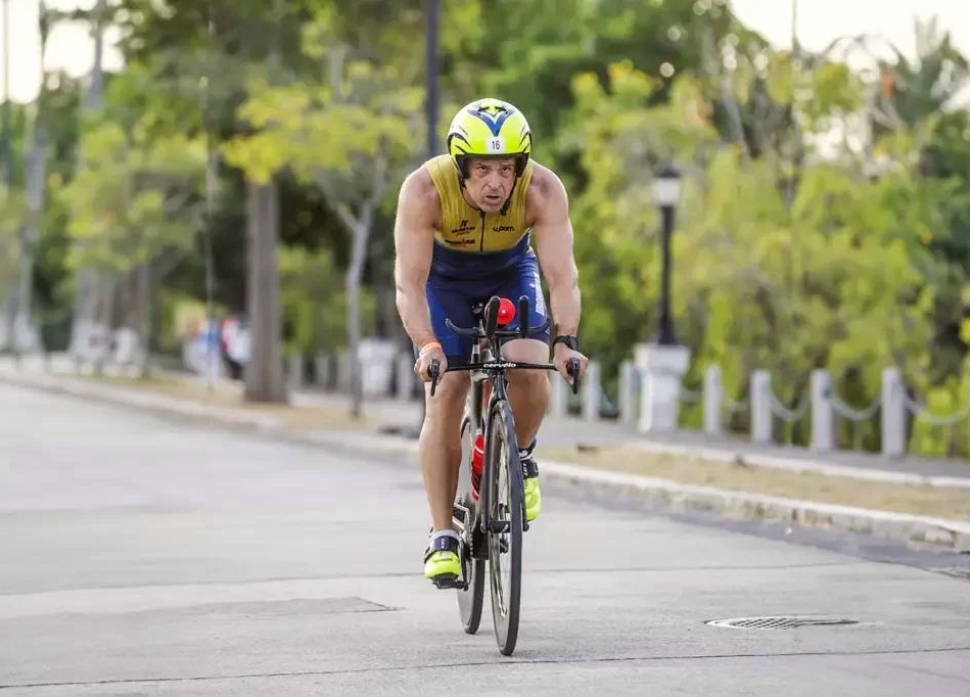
{"points": [[489, 128]]}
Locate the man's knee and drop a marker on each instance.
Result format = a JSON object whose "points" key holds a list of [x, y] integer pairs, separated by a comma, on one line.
{"points": [[534, 382], [528, 351], [446, 405]]}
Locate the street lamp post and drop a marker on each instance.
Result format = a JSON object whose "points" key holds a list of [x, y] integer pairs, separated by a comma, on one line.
{"points": [[431, 76], [663, 362], [432, 13], [666, 194]]}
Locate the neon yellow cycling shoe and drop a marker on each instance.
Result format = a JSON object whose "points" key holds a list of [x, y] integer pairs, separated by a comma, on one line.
{"points": [[530, 471], [533, 499], [441, 562]]}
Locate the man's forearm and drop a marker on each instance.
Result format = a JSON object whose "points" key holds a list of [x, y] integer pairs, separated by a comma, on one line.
{"points": [[412, 306], [566, 303]]}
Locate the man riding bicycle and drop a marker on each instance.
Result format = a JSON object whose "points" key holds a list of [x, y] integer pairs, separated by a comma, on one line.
{"points": [[462, 234]]}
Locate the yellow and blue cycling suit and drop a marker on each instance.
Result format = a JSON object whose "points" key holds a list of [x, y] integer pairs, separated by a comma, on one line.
{"points": [[478, 255]]}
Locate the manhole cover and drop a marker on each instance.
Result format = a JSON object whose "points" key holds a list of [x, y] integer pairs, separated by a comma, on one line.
{"points": [[779, 622]]}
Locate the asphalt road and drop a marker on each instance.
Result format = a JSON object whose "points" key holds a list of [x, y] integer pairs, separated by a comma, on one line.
{"points": [[145, 557]]}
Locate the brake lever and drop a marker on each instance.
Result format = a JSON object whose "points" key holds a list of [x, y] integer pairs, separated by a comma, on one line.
{"points": [[572, 368], [524, 316], [433, 370]]}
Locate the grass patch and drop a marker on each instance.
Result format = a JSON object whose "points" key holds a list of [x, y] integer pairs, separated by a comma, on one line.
{"points": [[229, 395], [952, 503]]}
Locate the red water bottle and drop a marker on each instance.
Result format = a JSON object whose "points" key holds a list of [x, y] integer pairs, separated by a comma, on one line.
{"points": [[478, 457]]}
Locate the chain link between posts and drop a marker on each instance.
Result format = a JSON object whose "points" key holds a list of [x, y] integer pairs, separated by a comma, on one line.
{"points": [[854, 416]]}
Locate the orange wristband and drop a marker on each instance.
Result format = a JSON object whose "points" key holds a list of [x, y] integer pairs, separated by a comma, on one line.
{"points": [[427, 346]]}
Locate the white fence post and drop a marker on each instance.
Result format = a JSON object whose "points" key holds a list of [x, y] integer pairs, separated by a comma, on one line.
{"points": [[626, 393], [893, 416], [823, 420], [761, 406], [558, 396], [713, 395], [405, 377], [591, 388]]}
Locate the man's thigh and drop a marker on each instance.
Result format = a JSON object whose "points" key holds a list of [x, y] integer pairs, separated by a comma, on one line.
{"points": [[451, 299], [525, 351], [524, 280]]}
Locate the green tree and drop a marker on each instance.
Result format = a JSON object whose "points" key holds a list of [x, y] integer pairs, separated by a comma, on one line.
{"points": [[354, 139], [134, 200]]}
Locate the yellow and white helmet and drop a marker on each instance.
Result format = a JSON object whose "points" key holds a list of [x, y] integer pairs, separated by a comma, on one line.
{"points": [[489, 128]]}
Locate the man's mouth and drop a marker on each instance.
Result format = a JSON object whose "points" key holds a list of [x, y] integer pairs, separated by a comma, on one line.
{"points": [[493, 198]]}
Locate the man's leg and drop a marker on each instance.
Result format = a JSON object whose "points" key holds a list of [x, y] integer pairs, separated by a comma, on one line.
{"points": [[439, 445], [529, 390]]}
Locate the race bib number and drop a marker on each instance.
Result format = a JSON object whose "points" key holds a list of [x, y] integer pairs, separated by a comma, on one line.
{"points": [[495, 144]]}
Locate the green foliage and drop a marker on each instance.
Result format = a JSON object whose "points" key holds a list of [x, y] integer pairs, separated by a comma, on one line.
{"points": [[12, 212], [133, 198], [825, 220], [315, 302]]}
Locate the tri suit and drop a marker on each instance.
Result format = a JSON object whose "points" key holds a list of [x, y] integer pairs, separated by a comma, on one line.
{"points": [[478, 255]]}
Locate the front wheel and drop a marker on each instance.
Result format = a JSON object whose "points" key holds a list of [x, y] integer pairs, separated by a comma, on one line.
{"points": [[505, 503], [471, 596]]}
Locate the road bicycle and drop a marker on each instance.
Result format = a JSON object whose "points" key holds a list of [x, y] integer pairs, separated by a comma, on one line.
{"points": [[491, 527]]}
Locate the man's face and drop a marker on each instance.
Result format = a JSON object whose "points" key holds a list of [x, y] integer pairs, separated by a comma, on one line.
{"points": [[489, 182]]}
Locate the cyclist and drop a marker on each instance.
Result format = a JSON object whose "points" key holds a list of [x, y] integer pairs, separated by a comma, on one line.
{"points": [[463, 231]]}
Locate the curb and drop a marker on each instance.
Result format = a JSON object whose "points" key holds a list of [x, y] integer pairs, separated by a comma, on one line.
{"points": [[952, 534], [797, 464]]}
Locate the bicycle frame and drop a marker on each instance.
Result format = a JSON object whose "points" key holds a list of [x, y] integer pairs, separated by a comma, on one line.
{"points": [[488, 369]]}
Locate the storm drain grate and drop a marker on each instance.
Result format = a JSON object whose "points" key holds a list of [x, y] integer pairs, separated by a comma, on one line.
{"points": [[779, 622]]}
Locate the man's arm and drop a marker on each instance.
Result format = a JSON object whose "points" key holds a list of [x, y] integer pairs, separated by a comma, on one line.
{"points": [[553, 233], [413, 248]]}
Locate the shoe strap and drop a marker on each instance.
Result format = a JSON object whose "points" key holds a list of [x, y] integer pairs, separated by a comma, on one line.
{"points": [[445, 543], [529, 467]]}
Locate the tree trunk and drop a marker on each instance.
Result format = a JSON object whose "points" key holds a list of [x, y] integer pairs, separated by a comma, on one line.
{"points": [[264, 373], [353, 346], [355, 274], [105, 320], [143, 313]]}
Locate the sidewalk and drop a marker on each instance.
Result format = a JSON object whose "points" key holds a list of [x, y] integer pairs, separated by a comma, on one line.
{"points": [[394, 417], [573, 432], [900, 498]]}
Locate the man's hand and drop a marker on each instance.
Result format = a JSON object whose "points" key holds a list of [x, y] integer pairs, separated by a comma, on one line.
{"points": [[430, 352], [560, 358]]}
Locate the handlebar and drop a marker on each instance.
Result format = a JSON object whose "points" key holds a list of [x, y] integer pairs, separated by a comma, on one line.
{"points": [[572, 369], [490, 332]]}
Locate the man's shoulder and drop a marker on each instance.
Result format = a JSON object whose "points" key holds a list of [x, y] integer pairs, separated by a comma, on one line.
{"points": [[418, 186], [544, 184], [418, 199]]}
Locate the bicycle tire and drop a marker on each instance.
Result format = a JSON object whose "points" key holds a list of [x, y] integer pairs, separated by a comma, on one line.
{"points": [[472, 597], [505, 611]]}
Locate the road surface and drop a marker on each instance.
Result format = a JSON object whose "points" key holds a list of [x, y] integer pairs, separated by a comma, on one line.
{"points": [[140, 556]]}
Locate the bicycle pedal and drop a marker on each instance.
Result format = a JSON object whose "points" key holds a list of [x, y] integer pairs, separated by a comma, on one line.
{"points": [[446, 581]]}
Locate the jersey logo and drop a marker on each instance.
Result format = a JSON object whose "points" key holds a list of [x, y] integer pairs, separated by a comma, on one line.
{"points": [[463, 227], [504, 228]]}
